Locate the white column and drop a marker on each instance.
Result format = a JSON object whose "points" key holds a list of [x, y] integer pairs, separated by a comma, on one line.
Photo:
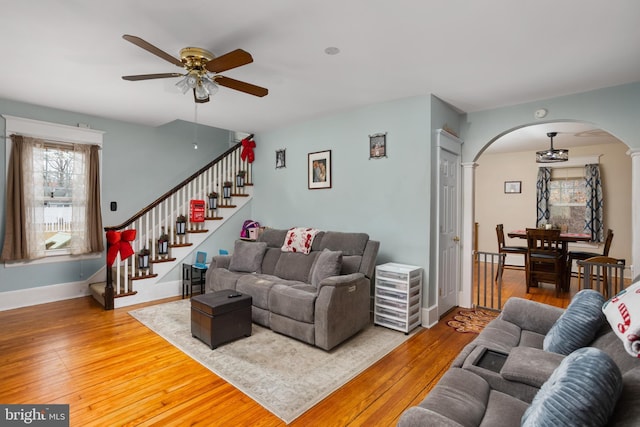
{"points": [[635, 212], [465, 298]]}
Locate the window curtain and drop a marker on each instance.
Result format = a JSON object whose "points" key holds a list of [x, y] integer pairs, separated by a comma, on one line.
{"points": [[24, 223], [86, 216], [594, 213], [542, 196]]}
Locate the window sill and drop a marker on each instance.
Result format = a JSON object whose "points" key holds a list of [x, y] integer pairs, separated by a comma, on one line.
{"points": [[51, 259]]}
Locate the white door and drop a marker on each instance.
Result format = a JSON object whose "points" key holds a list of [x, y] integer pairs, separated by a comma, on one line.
{"points": [[448, 228]]}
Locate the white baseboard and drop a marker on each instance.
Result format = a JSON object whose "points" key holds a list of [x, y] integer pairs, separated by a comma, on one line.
{"points": [[430, 316], [50, 293], [43, 294]]}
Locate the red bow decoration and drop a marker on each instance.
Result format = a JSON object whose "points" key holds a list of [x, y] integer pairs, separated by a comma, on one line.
{"points": [[247, 149], [119, 243]]}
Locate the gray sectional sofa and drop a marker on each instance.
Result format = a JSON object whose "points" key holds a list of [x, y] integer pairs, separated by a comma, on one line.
{"points": [[532, 366], [321, 298]]}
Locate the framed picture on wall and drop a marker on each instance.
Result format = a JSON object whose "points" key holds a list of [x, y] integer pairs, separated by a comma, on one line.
{"points": [[377, 146], [319, 170], [281, 159], [511, 187]]}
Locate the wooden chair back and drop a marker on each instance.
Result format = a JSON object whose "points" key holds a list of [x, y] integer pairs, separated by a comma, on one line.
{"points": [[604, 274], [545, 258]]}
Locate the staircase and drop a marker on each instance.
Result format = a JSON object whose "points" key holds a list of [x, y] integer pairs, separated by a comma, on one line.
{"points": [[161, 241]]}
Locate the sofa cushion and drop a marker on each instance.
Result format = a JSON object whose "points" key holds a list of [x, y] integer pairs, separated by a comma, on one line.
{"points": [[273, 237], [296, 302], [258, 286], [348, 243], [582, 391], [328, 263], [295, 266], [351, 264], [247, 256], [220, 279], [627, 410], [578, 325], [271, 257]]}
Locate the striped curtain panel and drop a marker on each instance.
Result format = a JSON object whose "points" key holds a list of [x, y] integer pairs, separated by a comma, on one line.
{"points": [[594, 214], [542, 196]]}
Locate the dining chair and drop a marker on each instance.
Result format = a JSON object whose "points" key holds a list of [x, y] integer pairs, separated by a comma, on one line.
{"points": [[602, 273], [504, 249], [581, 255], [546, 260]]}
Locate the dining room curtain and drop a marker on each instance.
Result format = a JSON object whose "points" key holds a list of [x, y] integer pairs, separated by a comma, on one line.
{"points": [[594, 213], [542, 196]]}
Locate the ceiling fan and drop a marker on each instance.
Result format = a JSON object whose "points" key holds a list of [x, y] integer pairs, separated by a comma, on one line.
{"points": [[202, 68]]}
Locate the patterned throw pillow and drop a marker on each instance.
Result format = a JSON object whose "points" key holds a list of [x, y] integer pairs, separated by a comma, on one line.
{"points": [[582, 391], [299, 239], [578, 325]]}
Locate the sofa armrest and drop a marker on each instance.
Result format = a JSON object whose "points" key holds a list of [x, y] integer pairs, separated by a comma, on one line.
{"points": [[220, 261], [417, 416], [530, 315], [342, 308], [342, 280], [530, 366]]}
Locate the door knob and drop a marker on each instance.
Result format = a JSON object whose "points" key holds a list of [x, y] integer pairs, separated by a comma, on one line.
{"points": [[456, 239]]}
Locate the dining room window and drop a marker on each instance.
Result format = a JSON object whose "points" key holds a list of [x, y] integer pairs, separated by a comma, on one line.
{"points": [[568, 199]]}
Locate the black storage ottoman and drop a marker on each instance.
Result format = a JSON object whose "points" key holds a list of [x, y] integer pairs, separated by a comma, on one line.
{"points": [[220, 317]]}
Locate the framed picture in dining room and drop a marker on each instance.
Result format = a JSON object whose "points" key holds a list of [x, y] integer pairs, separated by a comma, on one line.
{"points": [[319, 170], [512, 187]]}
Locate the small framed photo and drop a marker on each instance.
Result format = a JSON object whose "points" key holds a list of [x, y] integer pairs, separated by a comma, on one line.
{"points": [[281, 159], [319, 170], [377, 146], [511, 187]]}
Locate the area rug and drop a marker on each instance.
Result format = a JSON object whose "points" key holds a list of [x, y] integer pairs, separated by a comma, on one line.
{"points": [[285, 376], [472, 321]]}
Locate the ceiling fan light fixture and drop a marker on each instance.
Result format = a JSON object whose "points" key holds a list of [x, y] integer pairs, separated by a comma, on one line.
{"points": [[188, 82], [552, 155], [201, 92], [209, 85]]}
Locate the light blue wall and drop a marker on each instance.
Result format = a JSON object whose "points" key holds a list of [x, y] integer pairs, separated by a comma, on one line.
{"points": [[387, 198], [615, 109], [139, 164]]}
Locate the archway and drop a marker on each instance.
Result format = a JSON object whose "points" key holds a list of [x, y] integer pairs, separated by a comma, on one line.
{"points": [[474, 183]]}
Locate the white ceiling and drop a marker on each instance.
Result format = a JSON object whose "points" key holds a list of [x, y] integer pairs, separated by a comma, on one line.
{"points": [[476, 55]]}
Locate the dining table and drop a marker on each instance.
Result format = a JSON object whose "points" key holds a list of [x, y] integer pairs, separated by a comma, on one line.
{"points": [[565, 238]]}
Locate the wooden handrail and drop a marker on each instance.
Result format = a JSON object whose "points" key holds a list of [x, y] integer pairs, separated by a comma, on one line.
{"points": [[174, 190]]}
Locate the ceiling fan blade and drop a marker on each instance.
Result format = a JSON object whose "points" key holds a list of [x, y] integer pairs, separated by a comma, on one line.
{"points": [[152, 49], [229, 60], [241, 86], [151, 76]]}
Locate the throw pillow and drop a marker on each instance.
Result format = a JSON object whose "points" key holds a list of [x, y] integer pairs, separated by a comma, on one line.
{"points": [[623, 314], [328, 263], [582, 391], [247, 256], [299, 240], [578, 325]]}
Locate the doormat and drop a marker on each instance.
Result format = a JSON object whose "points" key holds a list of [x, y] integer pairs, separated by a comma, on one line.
{"points": [[472, 320]]}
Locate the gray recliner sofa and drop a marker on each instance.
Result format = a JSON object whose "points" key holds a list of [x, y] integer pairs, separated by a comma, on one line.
{"points": [[321, 298], [478, 392]]}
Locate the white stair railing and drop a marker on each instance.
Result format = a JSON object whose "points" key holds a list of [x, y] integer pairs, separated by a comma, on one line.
{"points": [[159, 218]]}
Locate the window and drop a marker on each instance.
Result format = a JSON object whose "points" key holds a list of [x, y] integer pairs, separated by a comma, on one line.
{"points": [[57, 168], [567, 203]]}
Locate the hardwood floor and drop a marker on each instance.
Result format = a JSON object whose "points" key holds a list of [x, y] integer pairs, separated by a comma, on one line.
{"points": [[114, 371]]}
